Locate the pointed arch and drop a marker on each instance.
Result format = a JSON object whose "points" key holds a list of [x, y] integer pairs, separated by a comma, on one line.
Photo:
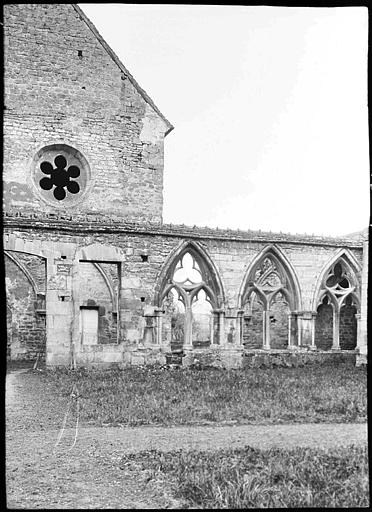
{"points": [[351, 264], [331, 300], [354, 298], [285, 267], [212, 282], [23, 269], [108, 284], [260, 296]]}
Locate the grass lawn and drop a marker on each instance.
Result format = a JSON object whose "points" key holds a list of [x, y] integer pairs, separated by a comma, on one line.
{"points": [[250, 478], [156, 395]]}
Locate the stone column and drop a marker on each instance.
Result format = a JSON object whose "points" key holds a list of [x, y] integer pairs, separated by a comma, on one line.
{"points": [[239, 328], [290, 319], [222, 328], [188, 329], [336, 329], [266, 329], [158, 312], [362, 338], [313, 320]]}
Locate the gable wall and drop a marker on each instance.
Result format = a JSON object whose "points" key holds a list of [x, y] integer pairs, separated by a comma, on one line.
{"points": [[54, 96]]}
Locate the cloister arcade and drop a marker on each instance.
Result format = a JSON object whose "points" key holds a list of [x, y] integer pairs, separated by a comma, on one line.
{"points": [[269, 312], [192, 306]]}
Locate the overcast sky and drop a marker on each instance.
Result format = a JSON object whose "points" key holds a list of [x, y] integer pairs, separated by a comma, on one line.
{"points": [[269, 106]]}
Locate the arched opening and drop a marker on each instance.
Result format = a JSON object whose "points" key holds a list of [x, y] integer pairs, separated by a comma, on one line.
{"points": [[202, 320], [189, 299], [324, 325], [348, 324], [253, 323], [98, 293], [270, 294], [336, 323], [173, 325], [25, 280], [279, 311]]}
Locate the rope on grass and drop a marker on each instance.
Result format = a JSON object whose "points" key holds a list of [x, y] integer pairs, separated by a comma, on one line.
{"points": [[77, 422], [74, 395]]}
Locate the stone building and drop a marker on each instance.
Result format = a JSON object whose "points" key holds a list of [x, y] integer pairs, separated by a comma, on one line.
{"points": [[93, 276]]}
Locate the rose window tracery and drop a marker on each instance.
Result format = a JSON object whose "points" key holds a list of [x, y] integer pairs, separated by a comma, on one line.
{"points": [[60, 177]]}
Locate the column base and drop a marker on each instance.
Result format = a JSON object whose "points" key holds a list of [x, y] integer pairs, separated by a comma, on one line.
{"points": [[361, 360]]}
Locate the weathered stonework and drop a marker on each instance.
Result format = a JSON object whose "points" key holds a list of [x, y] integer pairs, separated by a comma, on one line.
{"points": [[96, 274]]}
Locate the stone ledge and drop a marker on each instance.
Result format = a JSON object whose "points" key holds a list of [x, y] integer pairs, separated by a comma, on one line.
{"points": [[114, 224]]}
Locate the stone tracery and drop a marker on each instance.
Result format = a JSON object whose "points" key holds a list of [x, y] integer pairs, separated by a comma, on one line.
{"points": [[188, 300], [337, 307], [269, 300]]}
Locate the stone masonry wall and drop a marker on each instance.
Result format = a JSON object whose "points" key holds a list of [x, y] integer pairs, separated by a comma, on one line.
{"points": [[26, 318], [144, 255], [279, 324], [324, 327], [94, 292], [62, 87], [348, 328]]}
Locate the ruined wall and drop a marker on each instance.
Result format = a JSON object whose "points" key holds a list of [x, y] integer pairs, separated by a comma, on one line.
{"points": [[25, 294], [97, 291], [75, 120], [62, 87], [142, 257]]}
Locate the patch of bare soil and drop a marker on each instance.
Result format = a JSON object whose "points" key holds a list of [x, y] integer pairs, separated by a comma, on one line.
{"points": [[88, 474], [42, 475]]}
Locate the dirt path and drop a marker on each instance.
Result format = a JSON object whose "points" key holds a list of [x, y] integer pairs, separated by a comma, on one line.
{"points": [[88, 476]]}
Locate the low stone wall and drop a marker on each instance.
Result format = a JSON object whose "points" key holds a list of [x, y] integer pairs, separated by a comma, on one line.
{"points": [[289, 358]]}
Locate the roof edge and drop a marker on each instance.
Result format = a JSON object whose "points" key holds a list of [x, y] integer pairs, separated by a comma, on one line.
{"points": [[121, 66]]}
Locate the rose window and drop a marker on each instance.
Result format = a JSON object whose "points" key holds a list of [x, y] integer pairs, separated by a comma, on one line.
{"points": [[60, 177]]}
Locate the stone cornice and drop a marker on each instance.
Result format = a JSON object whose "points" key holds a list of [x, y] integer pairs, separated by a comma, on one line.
{"points": [[84, 223]]}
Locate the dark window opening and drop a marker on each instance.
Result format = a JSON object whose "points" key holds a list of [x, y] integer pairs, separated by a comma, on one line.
{"points": [[144, 257], [59, 177], [80, 53], [143, 299]]}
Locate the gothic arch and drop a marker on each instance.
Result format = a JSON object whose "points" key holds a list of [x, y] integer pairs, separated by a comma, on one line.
{"points": [[352, 267], [24, 270], [291, 288], [212, 281], [108, 284]]}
